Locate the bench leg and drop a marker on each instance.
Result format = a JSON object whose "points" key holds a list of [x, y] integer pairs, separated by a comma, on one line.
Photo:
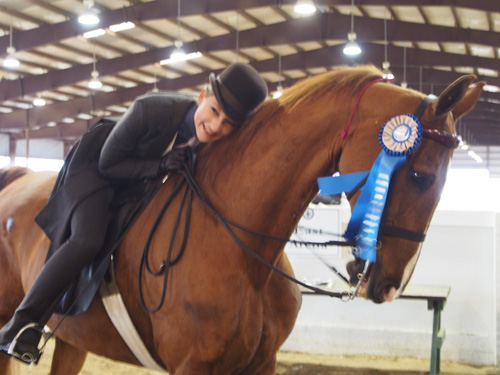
{"points": [[438, 335]]}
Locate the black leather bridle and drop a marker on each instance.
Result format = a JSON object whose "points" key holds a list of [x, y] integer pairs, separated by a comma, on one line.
{"points": [[442, 137]]}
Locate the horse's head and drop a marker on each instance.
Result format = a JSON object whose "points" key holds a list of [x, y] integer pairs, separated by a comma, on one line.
{"points": [[274, 161], [415, 187]]}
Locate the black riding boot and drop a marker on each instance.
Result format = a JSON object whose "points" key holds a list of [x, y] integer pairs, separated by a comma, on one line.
{"points": [[41, 300], [20, 337], [38, 305], [88, 228]]}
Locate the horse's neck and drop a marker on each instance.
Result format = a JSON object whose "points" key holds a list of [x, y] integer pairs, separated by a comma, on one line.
{"points": [[273, 178]]}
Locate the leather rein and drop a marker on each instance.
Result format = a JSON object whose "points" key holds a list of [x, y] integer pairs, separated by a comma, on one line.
{"points": [[442, 137], [194, 189]]}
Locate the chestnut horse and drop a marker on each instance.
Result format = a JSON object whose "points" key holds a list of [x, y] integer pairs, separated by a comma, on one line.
{"points": [[224, 311]]}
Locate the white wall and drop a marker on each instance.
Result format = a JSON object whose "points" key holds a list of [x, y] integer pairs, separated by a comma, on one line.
{"points": [[44, 154], [4, 145], [459, 252], [41, 148]]}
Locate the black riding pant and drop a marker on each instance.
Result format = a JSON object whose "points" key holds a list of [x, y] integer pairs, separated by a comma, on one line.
{"points": [[89, 225]]}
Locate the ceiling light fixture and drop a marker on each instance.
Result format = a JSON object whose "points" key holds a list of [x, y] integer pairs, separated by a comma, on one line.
{"points": [[122, 26], [39, 101], [94, 82], [386, 64], [94, 33], [352, 48], [10, 61], [278, 92], [279, 88], [188, 56], [88, 17], [178, 53], [304, 7], [155, 87], [404, 84]]}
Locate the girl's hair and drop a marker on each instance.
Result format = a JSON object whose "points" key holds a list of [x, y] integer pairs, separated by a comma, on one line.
{"points": [[208, 90]]}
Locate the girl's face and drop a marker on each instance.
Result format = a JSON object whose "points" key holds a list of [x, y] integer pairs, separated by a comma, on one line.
{"points": [[210, 122]]}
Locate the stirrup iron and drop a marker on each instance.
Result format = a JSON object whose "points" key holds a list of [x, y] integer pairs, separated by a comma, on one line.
{"points": [[29, 357]]}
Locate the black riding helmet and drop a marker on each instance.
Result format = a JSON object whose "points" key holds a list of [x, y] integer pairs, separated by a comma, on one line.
{"points": [[239, 90]]}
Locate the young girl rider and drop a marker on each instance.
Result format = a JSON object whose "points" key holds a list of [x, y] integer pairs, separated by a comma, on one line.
{"points": [[137, 147]]}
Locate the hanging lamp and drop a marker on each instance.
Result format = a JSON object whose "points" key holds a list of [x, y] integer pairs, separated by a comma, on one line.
{"points": [[94, 82], [352, 48], [304, 7], [10, 61], [386, 65], [404, 84], [89, 17], [178, 53], [39, 101], [279, 88]]}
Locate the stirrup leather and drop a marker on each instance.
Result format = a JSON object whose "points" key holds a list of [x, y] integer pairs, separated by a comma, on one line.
{"points": [[29, 357]]}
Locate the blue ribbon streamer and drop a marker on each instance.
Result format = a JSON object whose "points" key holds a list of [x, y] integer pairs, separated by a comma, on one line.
{"points": [[367, 213], [331, 185]]}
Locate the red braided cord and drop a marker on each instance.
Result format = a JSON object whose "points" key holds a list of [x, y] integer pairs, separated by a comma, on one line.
{"points": [[344, 132]]}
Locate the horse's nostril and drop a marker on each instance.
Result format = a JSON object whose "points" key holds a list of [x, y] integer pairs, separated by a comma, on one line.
{"points": [[385, 293], [389, 293]]}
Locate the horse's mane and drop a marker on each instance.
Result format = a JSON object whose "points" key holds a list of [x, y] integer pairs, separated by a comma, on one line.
{"points": [[341, 80]]}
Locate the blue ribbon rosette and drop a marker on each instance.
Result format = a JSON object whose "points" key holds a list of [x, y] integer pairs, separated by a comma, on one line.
{"points": [[399, 137]]}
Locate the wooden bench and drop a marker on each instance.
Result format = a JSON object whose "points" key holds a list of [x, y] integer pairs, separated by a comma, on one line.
{"points": [[436, 297]]}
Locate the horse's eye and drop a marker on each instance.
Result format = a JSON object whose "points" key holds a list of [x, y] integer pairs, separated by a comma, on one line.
{"points": [[421, 180]]}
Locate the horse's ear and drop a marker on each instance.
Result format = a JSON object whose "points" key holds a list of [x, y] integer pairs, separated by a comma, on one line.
{"points": [[470, 98], [452, 95]]}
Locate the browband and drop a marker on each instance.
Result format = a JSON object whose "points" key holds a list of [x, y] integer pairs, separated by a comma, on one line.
{"points": [[440, 136]]}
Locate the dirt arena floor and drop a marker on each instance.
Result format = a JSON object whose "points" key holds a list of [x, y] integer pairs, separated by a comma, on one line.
{"points": [[290, 364]]}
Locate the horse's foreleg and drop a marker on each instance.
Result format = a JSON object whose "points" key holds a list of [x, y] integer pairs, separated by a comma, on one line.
{"points": [[268, 368], [265, 368], [67, 360], [11, 295]]}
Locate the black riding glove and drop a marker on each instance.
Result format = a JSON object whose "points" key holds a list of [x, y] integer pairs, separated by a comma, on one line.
{"points": [[174, 160]]}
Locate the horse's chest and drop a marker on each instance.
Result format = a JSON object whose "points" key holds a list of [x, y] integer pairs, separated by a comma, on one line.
{"points": [[215, 334]]}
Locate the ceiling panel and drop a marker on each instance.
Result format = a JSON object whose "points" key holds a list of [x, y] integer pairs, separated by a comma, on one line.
{"points": [[432, 42]]}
